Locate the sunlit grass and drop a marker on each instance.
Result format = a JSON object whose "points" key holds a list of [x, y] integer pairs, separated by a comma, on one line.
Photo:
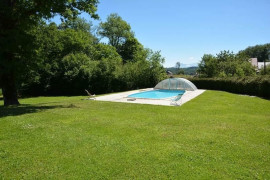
{"points": [[217, 135]]}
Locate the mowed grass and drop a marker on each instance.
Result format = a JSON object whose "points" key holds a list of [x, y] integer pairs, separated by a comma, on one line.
{"points": [[217, 135]]}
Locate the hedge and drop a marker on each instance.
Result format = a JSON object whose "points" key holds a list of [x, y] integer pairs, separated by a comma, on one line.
{"points": [[255, 86]]}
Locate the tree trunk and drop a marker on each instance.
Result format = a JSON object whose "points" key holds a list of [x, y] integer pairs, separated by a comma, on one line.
{"points": [[9, 89]]}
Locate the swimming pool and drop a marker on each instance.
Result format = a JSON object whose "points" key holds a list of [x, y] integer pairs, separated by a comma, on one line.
{"points": [[157, 94]]}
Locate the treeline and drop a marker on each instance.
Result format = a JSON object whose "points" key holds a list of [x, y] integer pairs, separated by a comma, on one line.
{"points": [[70, 58], [234, 73], [184, 71], [229, 64], [255, 86], [261, 52]]}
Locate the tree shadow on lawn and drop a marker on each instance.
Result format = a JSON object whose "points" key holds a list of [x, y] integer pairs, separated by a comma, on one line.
{"points": [[26, 109]]}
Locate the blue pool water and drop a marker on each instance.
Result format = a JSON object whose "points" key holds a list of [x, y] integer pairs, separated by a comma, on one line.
{"points": [[157, 94]]}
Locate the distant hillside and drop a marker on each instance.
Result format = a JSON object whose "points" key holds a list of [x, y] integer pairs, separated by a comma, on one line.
{"points": [[189, 65], [187, 71]]}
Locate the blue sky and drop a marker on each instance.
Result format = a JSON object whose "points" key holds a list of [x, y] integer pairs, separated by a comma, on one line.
{"points": [[184, 30]]}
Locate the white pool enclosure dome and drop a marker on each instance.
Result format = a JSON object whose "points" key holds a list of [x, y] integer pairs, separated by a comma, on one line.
{"points": [[176, 84]]}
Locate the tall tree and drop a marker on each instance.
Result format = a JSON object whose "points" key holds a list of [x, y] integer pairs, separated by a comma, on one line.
{"points": [[17, 19], [116, 30], [132, 50], [122, 38]]}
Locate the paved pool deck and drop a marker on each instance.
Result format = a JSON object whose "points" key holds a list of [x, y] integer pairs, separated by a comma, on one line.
{"points": [[122, 97]]}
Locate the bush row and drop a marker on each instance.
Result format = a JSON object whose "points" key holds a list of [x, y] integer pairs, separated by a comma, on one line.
{"points": [[256, 86]]}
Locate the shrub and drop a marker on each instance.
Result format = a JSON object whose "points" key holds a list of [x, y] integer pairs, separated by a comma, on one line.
{"points": [[265, 71], [256, 86]]}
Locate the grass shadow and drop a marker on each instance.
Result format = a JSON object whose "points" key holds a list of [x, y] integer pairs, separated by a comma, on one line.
{"points": [[26, 109]]}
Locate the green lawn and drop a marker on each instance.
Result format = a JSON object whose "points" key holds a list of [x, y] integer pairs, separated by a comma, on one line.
{"points": [[217, 135]]}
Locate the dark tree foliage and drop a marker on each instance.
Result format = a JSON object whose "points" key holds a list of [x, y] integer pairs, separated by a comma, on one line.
{"points": [[255, 85], [17, 42], [130, 50], [71, 60], [78, 24], [64, 56], [259, 51], [49, 59]]}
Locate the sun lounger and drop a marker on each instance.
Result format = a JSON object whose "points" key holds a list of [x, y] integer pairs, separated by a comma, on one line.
{"points": [[91, 96], [177, 101]]}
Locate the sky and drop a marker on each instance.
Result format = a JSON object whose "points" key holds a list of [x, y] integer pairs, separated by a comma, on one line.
{"points": [[185, 30]]}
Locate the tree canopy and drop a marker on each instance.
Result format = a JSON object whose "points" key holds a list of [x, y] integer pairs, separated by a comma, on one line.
{"points": [[120, 36], [69, 58], [225, 64], [259, 51], [17, 42], [38, 58], [116, 30]]}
